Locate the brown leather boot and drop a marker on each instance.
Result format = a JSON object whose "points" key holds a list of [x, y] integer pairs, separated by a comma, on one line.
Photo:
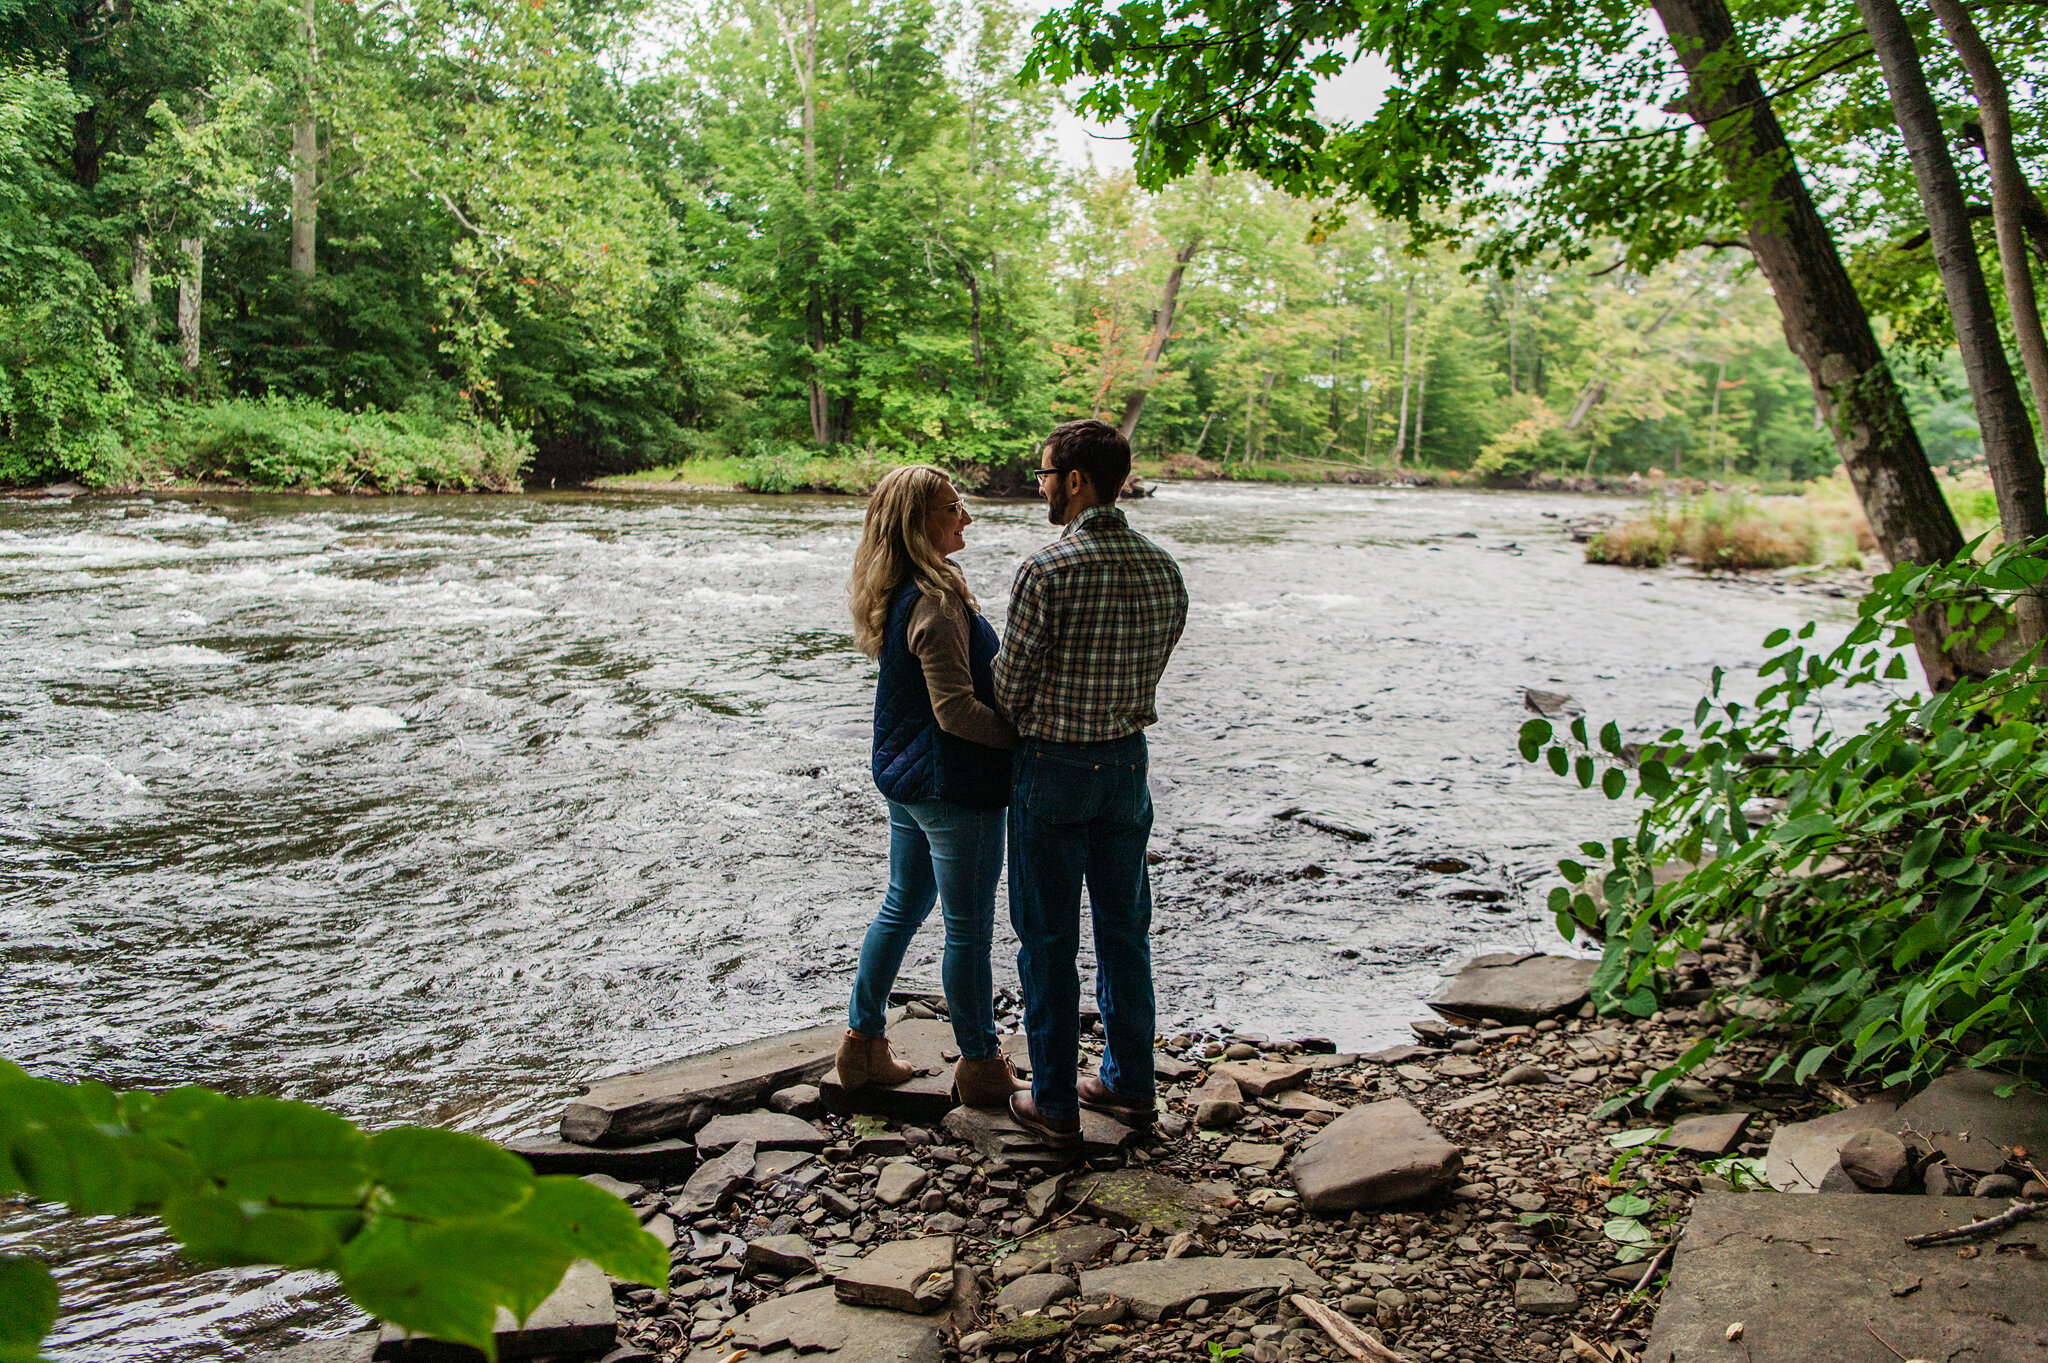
{"points": [[986, 1083], [1056, 1135], [865, 1060]]}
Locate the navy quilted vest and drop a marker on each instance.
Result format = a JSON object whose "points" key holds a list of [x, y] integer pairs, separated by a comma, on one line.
{"points": [[914, 759]]}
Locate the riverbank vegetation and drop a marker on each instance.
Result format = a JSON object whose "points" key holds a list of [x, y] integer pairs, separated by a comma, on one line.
{"points": [[455, 245]]}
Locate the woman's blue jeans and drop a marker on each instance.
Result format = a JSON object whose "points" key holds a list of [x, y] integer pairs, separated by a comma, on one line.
{"points": [[945, 852]]}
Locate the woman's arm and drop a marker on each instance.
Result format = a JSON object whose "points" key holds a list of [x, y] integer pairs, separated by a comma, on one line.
{"points": [[938, 639]]}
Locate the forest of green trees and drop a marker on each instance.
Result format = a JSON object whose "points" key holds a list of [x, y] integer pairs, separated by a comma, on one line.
{"points": [[388, 243]]}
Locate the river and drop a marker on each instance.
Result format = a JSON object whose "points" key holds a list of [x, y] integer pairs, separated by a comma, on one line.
{"points": [[428, 808]]}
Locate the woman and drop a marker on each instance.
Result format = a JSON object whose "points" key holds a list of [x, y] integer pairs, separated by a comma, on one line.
{"points": [[942, 758]]}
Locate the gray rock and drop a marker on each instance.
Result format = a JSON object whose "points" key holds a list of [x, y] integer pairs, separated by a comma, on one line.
{"points": [[576, 1318], [898, 1183], [1934, 1179], [1246, 1155], [1218, 1114], [623, 1191], [1752, 1257], [770, 1165], [815, 1321], [1159, 1287], [997, 1136], [1970, 1124], [677, 1098], [1801, 1153], [1071, 1245], [1040, 1196], [1459, 1067], [1876, 1160], [902, 1275], [656, 1161], [1297, 1101], [715, 1182], [1262, 1078], [1136, 1197], [355, 1348], [784, 1254], [1515, 987], [662, 1229], [1527, 1073], [1996, 1185], [1707, 1136], [1398, 1055], [1035, 1292], [923, 1044], [1542, 1297], [1373, 1155], [798, 1100], [767, 1131]]}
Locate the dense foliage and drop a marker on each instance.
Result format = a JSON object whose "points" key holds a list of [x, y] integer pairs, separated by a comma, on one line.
{"points": [[430, 1230], [592, 237], [1889, 877]]}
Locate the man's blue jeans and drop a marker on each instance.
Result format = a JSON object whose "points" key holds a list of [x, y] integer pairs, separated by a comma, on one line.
{"points": [[1082, 813], [940, 851]]}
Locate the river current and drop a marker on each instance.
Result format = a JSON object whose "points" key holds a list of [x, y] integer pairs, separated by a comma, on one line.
{"points": [[427, 809]]}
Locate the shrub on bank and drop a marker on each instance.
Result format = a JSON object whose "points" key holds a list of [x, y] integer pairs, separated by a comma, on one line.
{"points": [[1718, 531], [1890, 881], [302, 445]]}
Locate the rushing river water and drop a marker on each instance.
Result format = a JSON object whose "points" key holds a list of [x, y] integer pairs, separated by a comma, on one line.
{"points": [[426, 809]]}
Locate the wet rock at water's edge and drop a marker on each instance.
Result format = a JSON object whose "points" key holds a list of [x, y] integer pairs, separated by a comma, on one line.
{"points": [[1515, 987]]}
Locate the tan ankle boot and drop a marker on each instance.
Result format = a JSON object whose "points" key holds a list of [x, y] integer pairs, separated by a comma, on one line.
{"points": [[986, 1083], [865, 1060]]}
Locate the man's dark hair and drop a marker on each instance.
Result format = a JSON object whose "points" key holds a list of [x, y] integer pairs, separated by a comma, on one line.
{"points": [[1097, 449]]}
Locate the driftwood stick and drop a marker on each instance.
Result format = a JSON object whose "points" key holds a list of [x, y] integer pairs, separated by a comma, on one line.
{"points": [[1641, 1283], [1345, 1335], [2013, 1215]]}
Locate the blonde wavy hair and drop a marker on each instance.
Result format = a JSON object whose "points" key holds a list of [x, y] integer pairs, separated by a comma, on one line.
{"points": [[895, 547]]}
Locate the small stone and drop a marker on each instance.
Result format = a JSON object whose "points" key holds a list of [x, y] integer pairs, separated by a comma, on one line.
{"points": [[1583, 1076], [766, 1131], [1466, 1047], [1373, 1155], [1159, 1287], [1996, 1185], [715, 1183], [1518, 987], [1934, 1179], [945, 1223], [1107, 1312], [1708, 1136], [1035, 1292], [1238, 1050], [1391, 1299], [903, 1275], [1528, 1073], [623, 1191], [1297, 1101], [1356, 1305], [798, 1100], [1262, 1078], [1526, 1202], [1459, 1067], [783, 1254], [975, 1342], [1245, 1154], [1876, 1160], [899, 1183], [1542, 1297]]}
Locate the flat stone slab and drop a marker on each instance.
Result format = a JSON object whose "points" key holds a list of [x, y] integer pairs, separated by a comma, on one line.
{"points": [[715, 1182], [1542, 1297], [997, 1135], [1070, 1245], [677, 1098], [660, 1161], [1515, 987], [1159, 1287], [1374, 1155], [1801, 1153], [1300, 1100], [1035, 1292], [1962, 1114], [926, 1097], [1247, 1155], [1810, 1277], [1707, 1136], [1261, 1078], [784, 1254], [767, 1130], [902, 1275], [816, 1322], [577, 1318], [1136, 1197]]}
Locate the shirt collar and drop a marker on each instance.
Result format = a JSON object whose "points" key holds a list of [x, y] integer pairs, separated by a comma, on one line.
{"points": [[1108, 513]]}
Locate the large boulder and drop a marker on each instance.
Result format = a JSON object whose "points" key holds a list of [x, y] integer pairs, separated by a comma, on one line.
{"points": [[1515, 987], [1159, 1287], [1374, 1155], [1962, 1115]]}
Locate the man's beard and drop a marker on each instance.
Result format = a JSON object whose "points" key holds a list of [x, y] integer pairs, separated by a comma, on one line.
{"points": [[1056, 504]]}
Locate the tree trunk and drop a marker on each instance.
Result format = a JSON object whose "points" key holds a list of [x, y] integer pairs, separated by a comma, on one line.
{"points": [[1513, 364], [189, 285], [807, 73], [1421, 383], [305, 164], [2010, 453], [141, 288], [1407, 348], [1162, 331], [1824, 321], [1202, 439], [2010, 196], [1714, 419]]}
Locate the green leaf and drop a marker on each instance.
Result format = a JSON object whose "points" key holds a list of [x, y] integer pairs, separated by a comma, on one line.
{"points": [[1535, 733], [1583, 770], [1626, 1230], [1572, 871], [1655, 778], [1777, 637], [592, 1224], [447, 1280], [1642, 1135], [56, 1147], [220, 1228], [431, 1174], [1628, 1204], [1610, 737], [1614, 784], [28, 1308], [1814, 1058], [1811, 825], [1560, 761], [289, 1153]]}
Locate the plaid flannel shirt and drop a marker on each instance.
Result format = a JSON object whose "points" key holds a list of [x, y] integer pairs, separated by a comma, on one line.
{"points": [[1093, 616]]}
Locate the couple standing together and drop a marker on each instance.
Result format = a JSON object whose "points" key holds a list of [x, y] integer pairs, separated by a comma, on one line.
{"points": [[1042, 737]]}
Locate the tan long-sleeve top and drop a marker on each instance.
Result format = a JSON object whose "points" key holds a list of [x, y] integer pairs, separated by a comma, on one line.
{"points": [[938, 639]]}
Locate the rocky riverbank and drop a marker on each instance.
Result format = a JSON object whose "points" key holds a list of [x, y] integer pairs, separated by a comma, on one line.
{"points": [[1455, 1199]]}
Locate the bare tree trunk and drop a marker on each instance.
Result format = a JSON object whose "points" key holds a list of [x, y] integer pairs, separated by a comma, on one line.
{"points": [[141, 289], [1714, 420], [1162, 331], [1201, 439], [2009, 449], [2009, 196], [1824, 320], [1407, 347], [1421, 380], [305, 164], [803, 60], [1513, 365], [190, 283]]}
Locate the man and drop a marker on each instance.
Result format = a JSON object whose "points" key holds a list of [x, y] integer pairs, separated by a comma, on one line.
{"points": [[1093, 616]]}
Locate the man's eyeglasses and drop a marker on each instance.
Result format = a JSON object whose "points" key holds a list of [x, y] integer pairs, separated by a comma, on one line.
{"points": [[1047, 473]]}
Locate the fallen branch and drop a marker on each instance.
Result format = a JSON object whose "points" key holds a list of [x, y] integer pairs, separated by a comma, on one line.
{"points": [[1641, 1283], [1346, 1336], [2011, 1216]]}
